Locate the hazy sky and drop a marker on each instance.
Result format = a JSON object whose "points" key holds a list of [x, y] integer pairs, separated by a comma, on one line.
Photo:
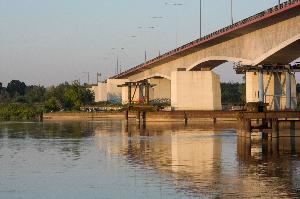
{"points": [[51, 41]]}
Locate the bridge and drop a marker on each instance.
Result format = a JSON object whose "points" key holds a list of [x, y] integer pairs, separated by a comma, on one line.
{"points": [[262, 47]]}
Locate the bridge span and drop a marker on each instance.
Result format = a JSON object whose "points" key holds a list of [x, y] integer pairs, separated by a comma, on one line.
{"points": [[262, 47]]}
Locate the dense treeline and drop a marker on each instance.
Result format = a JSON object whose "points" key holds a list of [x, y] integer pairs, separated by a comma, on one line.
{"points": [[233, 93], [20, 101]]}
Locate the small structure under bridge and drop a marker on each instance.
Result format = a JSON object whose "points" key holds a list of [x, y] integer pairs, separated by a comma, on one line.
{"points": [[138, 99], [274, 85], [274, 90]]}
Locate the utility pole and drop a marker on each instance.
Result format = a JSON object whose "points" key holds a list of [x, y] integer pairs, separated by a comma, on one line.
{"points": [[279, 2], [145, 56]]}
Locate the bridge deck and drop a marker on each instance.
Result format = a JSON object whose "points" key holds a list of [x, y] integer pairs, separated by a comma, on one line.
{"points": [[263, 19]]}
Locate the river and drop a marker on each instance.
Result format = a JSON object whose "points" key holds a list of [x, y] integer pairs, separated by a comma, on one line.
{"points": [[110, 159]]}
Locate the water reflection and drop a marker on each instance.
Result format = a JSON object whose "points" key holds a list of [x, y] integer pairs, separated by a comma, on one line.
{"points": [[273, 162], [207, 163], [194, 160], [50, 134]]}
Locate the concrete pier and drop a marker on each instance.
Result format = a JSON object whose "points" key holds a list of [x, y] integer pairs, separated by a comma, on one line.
{"points": [[195, 90]]}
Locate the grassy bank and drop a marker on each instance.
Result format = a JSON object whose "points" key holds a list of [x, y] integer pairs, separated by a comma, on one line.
{"points": [[12, 111]]}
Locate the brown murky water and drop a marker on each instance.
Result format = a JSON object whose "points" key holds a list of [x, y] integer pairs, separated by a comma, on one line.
{"points": [[109, 159]]}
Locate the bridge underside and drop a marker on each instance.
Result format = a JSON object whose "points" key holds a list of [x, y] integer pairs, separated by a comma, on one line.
{"points": [[284, 56]]}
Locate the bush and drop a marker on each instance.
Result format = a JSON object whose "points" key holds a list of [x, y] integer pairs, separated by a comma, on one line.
{"points": [[52, 104], [19, 112]]}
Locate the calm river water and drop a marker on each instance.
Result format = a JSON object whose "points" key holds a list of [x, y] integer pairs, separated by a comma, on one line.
{"points": [[109, 159]]}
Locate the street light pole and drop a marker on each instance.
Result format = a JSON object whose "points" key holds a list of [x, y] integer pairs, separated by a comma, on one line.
{"points": [[117, 64], [175, 4], [98, 75], [88, 76], [231, 8], [200, 13]]}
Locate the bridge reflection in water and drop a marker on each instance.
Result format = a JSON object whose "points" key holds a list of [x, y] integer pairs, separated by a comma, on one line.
{"points": [[209, 163]]}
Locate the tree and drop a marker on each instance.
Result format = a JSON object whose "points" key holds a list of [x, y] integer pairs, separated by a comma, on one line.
{"points": [[77, 95], [233, 93], [57, 92], [16, 87], [298, 89], [35, 94], [52, 104]]}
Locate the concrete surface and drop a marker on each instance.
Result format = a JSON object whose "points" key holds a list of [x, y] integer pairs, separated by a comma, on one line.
{"points": [[195, 90]]}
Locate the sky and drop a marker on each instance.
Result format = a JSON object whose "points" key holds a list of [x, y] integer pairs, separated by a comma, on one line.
{"points": [[47, 42]]}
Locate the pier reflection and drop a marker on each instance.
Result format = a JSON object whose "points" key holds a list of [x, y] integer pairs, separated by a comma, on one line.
{"points": [[270, 166], [205, 161], [184, 159]]}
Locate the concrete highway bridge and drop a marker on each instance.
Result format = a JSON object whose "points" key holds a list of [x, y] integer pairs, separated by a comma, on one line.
{"points": [[262, 47]]}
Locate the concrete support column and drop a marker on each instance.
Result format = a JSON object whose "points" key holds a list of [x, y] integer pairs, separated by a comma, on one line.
{"points": [[161, 88], [288, 91], [261, 86], [100, 92], [195, 90], [114, 93]]}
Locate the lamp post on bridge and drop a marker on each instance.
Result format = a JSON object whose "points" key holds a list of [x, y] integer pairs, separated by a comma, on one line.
{"points": [[118, 70], [200, 13], [88, 76], [175, 5], [231, 11]]}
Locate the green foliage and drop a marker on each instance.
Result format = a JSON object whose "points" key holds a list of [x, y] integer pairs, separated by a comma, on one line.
{"points": [[16, 87], [76, 95], [68, 96], [19, 101], [35, 94], [52, 104], [19, 112], [298, 89], [298, 96], [4, 95], [57, 92], [233, 93]]}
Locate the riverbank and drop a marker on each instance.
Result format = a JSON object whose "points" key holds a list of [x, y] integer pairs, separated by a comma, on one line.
{"points": [[161, 116], [207, 117], [83, 116]]}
